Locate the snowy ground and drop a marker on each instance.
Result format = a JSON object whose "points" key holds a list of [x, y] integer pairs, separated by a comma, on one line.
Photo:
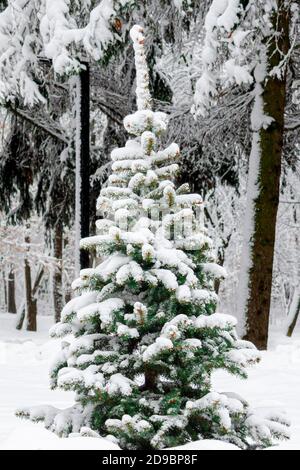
{"points": [[24, 359]]}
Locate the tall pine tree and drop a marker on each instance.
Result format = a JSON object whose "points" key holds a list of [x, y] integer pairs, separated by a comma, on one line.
{"points": [[143, 336]]}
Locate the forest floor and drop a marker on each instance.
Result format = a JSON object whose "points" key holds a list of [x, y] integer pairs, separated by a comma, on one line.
{"points": [[24, 363]]}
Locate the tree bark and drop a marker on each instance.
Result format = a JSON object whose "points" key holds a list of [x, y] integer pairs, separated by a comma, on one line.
{"points": [[11, 293], [68, 296], [150, 380], [30, 303], [4, 289], [267, 202], [22, 309], [295, 312], [57, 278]]}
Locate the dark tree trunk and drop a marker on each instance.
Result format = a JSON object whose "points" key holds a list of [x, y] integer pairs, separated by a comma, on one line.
{"points": [[295, 307], [57, 278], [267, 202], [4, 289], [11, 293], [30, 303], [31, 310], [150, 380], [22, 309], [83, 163], [68, 296]]}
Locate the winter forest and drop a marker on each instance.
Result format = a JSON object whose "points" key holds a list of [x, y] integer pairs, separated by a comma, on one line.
{"points": [[150, 225]]}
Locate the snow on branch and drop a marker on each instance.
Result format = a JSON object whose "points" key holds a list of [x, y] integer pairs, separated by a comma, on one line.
{"points": [[49, 28], [235, 33], [142, 75]]}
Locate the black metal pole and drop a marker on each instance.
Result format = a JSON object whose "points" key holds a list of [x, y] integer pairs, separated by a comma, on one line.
{"points": [[85, 160]]}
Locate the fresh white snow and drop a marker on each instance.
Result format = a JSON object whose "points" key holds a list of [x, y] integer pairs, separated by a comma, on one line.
{"points": [[24, 361]]}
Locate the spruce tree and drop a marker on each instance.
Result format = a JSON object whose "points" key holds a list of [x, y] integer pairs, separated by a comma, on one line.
{"points": [[143, 337]]}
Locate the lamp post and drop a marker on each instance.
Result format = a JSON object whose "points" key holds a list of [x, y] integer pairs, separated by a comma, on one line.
{"points": [[82, 157], [82, 151]]}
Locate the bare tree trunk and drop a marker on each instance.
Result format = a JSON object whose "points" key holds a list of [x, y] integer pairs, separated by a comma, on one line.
{"points": [[22, 309], [294, 312], [11, 293], [265, 208], [30, 303], [150, 380], [68, 296], [20, 317], [57, 278], [4, 289]]}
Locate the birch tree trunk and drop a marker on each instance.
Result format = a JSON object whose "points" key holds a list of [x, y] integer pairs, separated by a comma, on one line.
{"points": [[264, 209]]}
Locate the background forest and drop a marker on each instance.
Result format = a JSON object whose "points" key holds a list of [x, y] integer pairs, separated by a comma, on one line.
{"points": [[145, 347], [203, 75]]}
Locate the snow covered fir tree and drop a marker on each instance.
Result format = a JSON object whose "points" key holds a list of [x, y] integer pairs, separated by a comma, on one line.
{"points": [[142, 338]]}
